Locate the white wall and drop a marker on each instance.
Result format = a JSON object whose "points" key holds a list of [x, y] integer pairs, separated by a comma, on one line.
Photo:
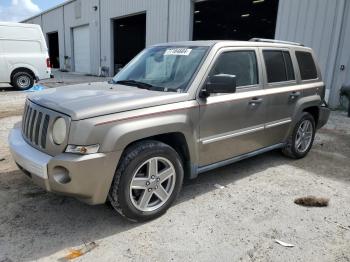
{"points": [[156, 22], [88, 17], [53, 22], [166, 20], [317, 24], [180, 20]]}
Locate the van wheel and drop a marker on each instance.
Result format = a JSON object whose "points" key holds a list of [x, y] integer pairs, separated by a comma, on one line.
{"points": [[302, 138], [147, 181], [22, 80]]}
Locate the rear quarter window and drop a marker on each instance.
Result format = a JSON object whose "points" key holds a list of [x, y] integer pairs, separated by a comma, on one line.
{"points": [[307, 65]]}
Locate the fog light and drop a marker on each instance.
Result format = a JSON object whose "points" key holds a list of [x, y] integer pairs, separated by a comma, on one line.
{"points": [[61, 175]]}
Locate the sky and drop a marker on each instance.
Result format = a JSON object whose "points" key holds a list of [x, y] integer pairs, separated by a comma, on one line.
{"points": [[17, 10]]}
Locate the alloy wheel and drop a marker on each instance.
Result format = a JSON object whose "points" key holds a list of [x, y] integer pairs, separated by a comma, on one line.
{"points": [[304, 136], [152, 184]]}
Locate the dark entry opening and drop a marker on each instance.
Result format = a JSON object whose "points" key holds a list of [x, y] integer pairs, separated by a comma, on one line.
{"points": [[129, 39], [234, 20], [54, 53]]}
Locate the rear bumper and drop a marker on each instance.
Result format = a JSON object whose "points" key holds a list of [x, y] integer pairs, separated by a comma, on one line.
{"points": [[86, 177], [323, 116], [44, 75]]}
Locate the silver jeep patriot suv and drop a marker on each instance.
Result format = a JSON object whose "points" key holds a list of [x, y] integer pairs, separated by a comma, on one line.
{"points": [[176, 110]]}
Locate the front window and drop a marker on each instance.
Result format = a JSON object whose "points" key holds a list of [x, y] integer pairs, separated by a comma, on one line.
{"points": [[163, 68], [242, 64]]}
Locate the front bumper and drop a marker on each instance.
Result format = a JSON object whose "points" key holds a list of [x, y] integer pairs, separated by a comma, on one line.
{"points": [[323, 117], [86, 177]]}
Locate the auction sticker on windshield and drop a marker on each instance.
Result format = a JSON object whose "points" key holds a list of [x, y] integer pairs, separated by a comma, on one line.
{"points": [[178, 51]]}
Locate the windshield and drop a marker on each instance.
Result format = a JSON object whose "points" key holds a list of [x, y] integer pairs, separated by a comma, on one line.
{"points": [[163, 68]]}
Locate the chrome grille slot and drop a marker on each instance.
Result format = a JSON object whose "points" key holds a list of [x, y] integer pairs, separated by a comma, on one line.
{"points": [[27, 121], [32, 121], [37, 128], [44, 131], [24, 115], [37, 123]]}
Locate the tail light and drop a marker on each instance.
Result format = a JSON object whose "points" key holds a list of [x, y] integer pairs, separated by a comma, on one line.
{"points": [[48, 62]]}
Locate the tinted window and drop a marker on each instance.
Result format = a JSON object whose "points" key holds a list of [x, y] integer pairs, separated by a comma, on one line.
{"points": [[242, 64], [289, 66], [279, 66], [306, 65]]}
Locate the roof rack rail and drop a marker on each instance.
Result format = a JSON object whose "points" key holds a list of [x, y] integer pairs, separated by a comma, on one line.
{"points": [[274, 41]]}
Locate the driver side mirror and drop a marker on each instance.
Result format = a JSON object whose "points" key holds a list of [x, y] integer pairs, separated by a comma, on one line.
{"points": [[221, 83]]}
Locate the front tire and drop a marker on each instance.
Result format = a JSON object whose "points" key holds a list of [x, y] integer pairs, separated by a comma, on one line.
{"points": [[302, 138], [22, 80], [147, 181]]}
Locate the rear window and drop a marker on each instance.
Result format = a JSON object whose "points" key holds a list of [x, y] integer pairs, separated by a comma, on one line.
{"points": [[279, 66], [306, 65]]}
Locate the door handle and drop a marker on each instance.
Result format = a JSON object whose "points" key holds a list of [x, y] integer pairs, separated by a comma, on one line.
{"points": [[255, 101], [294, 95]]}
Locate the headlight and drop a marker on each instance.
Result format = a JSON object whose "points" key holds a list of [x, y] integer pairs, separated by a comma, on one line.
{"points": [[83, 150], [59, 131]]}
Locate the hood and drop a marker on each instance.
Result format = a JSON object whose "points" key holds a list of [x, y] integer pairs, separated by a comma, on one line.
{"points": [[96, 99]]}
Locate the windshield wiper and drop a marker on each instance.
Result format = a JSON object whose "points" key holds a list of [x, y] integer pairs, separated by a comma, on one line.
{"points": [[135, 83], [143, 85]]}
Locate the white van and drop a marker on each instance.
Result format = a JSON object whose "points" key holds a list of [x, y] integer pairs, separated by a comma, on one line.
{"points": [[23, 55]]}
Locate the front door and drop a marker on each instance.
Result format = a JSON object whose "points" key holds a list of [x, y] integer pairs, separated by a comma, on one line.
{"points": [[233, 124]]}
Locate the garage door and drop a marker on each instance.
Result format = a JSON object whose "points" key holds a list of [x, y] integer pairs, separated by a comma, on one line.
{"points": [[234, 20], [81, 42]]}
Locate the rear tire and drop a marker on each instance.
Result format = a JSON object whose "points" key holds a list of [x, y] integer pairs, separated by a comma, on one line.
{"points": [[147, 181], [302, 138], [22, 80]]}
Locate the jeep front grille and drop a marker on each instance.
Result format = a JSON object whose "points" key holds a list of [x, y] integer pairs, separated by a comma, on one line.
{"points": [[37, 122], [35, 125]]}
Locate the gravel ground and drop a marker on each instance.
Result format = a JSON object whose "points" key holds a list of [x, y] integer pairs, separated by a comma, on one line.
{"points": [[237, 222]]}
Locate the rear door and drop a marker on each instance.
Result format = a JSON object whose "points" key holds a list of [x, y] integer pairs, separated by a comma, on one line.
{"points": [[233, 124], [281, 94]]}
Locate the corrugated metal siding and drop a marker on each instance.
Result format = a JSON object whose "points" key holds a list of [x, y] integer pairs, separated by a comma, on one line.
{"points": [[156, 22], [35, 20], [342, 76], [88, 17], [53, 22], [180, 20], [167, 20], [315, 23]]}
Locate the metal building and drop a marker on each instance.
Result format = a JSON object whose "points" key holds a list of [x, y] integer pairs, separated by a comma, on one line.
{"points": [[100, 36]]}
